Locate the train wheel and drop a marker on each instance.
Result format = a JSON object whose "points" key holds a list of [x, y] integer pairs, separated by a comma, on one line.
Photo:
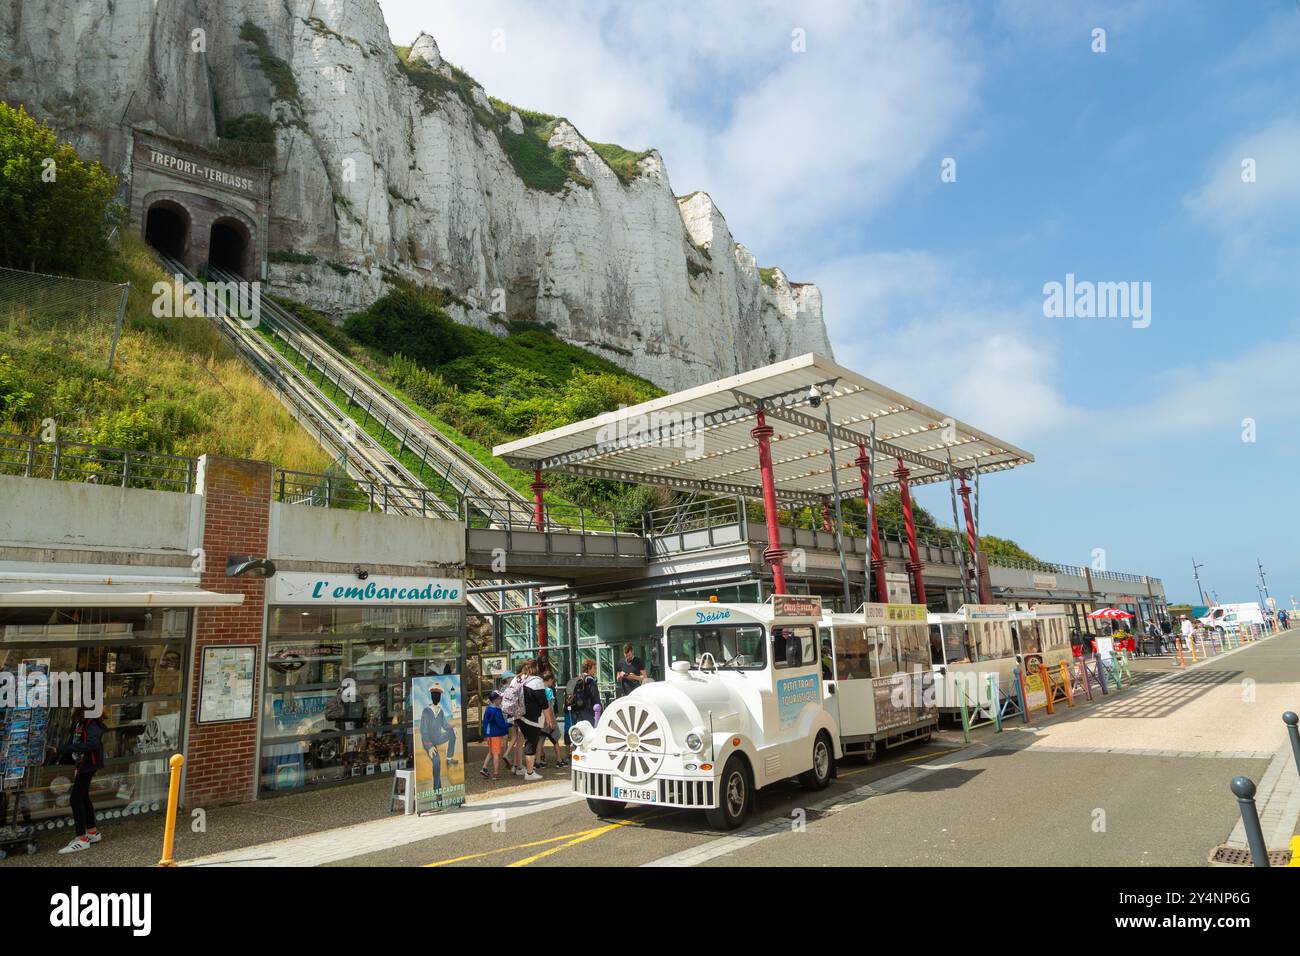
{"points": [[737, 797], [819, 777]]}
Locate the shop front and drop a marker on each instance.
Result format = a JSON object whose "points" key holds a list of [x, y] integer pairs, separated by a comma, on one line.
{"points": [[120, 652], [341, 652]]}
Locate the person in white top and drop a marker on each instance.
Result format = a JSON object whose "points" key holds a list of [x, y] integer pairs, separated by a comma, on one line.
{"points": [[1186, 629], [537, 717]]}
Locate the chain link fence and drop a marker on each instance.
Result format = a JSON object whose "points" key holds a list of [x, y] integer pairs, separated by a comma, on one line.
{"points": [[34, 301]]}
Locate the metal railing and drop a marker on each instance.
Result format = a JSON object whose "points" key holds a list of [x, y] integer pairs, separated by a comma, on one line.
{"points": [[342, 491], [29, 457], [1074, 570], [478, 511], [694, 514]]}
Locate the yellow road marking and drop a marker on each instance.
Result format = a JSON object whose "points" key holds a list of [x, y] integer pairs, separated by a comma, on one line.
{"points": [[578, 836], [935, 753], [506, 849], [591, 835]]}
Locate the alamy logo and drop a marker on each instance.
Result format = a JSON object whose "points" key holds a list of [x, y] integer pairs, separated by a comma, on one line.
{"points": [[40, 687], [672, 429], [1083, 299], [195, 300], [77, 909]]}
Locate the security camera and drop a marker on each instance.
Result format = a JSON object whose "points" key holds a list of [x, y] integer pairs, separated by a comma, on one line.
{"points": [[361, 573], [814, 397]]}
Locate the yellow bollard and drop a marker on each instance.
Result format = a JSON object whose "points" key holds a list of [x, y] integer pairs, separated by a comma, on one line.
{"points": [[173, 798], [1191, 646]]}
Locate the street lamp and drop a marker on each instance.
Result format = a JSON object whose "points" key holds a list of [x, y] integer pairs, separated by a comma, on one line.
{"points": [[1196, 572]]}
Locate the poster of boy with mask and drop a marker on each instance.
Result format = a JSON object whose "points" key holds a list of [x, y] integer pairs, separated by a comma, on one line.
{"points": [[439, 767]]}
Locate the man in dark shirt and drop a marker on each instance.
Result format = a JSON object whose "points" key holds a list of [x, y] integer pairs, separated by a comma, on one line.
{"points": [[631, 672]]}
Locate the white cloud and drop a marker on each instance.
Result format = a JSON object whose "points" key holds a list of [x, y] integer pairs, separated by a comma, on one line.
{"points": [[787, 143], [1255, 221], [921, 324]]}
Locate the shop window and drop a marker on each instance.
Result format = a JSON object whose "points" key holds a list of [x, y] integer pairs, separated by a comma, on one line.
{"points": [[141, 654], [337, 696]]}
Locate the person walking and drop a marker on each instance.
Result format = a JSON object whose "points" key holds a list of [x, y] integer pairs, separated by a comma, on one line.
{"points": [[551, 734], [1186, 630], [536, 718], [85, 748], [513, 706], [495, 731]]}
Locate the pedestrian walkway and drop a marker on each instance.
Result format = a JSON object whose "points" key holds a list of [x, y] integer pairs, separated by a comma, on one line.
{"points": [[330, 846]]}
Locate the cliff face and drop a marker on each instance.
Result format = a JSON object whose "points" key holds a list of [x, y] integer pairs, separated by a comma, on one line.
{"points": [[393, 165]]}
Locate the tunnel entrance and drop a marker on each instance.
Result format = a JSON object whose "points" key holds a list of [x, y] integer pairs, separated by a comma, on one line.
{"points": [[228, 248], [167, 229]]}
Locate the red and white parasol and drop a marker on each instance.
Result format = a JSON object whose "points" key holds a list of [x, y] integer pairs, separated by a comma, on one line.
{"points": [[1109, 614]]}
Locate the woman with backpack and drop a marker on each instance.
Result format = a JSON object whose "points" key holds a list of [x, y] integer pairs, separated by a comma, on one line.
{"points": [[583, 697], [85, 748], [525, 699]]}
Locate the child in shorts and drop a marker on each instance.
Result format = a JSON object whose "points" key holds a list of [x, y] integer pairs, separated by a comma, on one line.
{"points": [[495, 730]]}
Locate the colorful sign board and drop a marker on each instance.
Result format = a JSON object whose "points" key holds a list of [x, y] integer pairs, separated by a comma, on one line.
{"points": [[894, 613], [318, 587], [793, 694], [438, 742], [1031, 675], [796, 605], [976, 612]]}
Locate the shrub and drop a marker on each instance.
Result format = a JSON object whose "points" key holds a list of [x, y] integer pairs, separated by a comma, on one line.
{"points": [[56, 210], [276, 70], [408, 321]]}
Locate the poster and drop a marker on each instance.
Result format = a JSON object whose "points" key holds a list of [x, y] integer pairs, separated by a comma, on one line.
{"points": [[793, 694], [436, 706], [226, 684], [1035, 689], [493, 665]]}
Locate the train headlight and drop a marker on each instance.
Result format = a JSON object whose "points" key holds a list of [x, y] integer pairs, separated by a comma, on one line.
{"points": [[579, 732]]}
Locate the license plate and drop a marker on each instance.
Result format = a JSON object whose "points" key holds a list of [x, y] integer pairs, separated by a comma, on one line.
{"points": [[636, 794]]}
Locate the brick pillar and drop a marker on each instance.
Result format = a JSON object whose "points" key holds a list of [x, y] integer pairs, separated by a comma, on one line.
{"points": [[221, 759]]}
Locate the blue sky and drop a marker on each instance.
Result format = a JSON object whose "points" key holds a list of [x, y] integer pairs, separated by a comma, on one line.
{"points": [[1117, 166]]}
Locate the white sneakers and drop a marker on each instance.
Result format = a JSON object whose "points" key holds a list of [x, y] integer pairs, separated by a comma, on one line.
{"points": [[94, 837], [77, 845], [533, 776]]}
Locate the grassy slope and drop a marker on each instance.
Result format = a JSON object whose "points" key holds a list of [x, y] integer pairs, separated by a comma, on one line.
{"points": [[546, 382], [175, 387]]}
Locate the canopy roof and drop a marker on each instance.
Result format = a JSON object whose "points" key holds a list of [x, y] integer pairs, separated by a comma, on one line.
{"points": [[699, 438]]}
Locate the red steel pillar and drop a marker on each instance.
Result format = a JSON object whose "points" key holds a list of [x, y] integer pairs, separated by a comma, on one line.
{"points": [[827, 524], [773, 554], [539, 520], [914, 565], [981, 579], [877, 559], [539, 500]]}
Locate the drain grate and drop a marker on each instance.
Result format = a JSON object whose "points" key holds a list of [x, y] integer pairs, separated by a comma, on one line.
{"points": [[1240, 856]]}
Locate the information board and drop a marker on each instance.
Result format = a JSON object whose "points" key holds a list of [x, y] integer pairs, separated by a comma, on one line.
{"points": [[226, 684]]}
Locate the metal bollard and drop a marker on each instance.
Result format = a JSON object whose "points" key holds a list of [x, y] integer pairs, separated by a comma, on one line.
{"points": [[173, 798], [1244, 788], [1292, 722]]}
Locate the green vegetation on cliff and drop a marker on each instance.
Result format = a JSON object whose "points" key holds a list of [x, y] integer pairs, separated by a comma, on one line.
{"points": [[174, 388]]}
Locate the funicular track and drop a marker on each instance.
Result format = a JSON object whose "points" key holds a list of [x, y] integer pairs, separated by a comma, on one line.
{"points": [[363, 458], [456, 471]]}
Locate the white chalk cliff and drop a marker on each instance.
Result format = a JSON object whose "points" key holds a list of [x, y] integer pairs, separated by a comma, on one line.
{"points": [[386, 168]]}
